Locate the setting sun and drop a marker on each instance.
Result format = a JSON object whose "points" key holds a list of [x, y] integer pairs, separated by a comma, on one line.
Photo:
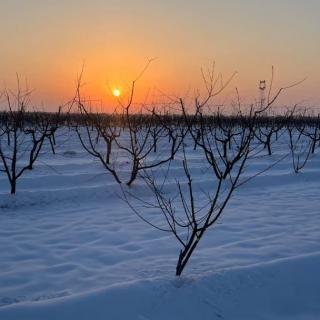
{"points": [[116, 92]]}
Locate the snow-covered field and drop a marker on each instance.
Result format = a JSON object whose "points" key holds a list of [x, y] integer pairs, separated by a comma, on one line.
{"points": [[71, 248]]}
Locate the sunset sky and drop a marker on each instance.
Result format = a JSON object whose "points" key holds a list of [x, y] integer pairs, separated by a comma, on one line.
{"points": [[47, 41]]}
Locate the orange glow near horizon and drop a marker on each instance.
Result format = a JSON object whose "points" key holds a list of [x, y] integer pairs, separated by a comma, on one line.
{"points": [[182, 35]]}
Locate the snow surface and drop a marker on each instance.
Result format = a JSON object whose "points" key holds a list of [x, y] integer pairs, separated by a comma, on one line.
{"points": [[71, 248]]}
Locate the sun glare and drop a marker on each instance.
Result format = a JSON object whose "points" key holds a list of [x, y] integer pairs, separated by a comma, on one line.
{"points": [[116, 92]]}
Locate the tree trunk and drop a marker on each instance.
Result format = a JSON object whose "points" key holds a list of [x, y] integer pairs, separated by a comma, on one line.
{"points": [[184, 256], [13, 186]]}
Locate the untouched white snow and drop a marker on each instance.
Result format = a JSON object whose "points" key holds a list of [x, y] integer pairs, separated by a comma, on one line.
{"points": [[70, 248], [274, 290]]}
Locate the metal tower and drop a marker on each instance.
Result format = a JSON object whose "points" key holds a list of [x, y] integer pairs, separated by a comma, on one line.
{"points": [[262, 88]]}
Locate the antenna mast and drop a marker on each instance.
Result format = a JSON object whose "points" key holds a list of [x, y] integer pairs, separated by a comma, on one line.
{"points": [[262, 88]]}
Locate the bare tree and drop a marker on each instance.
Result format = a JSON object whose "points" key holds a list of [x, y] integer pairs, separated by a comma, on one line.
{"points": [[144, 132], [301, 146], [188, 210], [21, 137]]}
